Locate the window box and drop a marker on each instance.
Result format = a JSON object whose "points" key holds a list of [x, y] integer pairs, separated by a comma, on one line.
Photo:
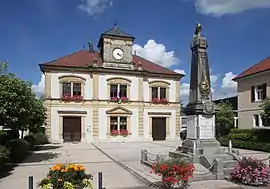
{"points": [[124, 132], [114, 132], [160, 101], [72, 98], [119, 100]]}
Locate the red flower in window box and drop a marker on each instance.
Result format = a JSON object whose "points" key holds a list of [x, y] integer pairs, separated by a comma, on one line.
{"points": [[114, 99], [114, 132], [124, 99], [163, 101], [124, 132], [68, 97], [155, 100]]}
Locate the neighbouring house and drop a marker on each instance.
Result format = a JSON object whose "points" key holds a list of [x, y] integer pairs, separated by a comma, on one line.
{"points": [[253, 86], [110, 95], [233, 101]]}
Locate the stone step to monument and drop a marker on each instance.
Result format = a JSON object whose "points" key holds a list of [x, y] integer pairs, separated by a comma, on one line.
{"points": [[224, 156], [228, 171], [230, 163]]}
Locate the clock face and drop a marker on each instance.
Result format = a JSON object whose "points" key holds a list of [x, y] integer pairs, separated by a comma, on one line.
{"points": [[118, 54]]}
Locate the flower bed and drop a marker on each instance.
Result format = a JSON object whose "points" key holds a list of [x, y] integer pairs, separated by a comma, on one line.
{"points": [[66, 176], [175, 172], [251, 171]]}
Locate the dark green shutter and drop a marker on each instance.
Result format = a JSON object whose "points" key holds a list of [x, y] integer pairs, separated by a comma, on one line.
{"points": [[252, 94]]}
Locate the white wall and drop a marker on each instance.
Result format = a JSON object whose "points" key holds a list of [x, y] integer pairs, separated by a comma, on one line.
{"points": [[55, 121], [55, 87], [172, 122]]}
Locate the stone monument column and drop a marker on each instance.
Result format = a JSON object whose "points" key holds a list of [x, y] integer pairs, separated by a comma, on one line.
{"points": [[200, 109]]}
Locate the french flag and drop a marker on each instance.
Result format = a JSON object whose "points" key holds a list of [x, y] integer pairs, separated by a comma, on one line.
{"points": [[118, 91]]}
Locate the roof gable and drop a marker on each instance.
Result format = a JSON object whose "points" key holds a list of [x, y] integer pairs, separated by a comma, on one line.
{"points": [[261, 66]]}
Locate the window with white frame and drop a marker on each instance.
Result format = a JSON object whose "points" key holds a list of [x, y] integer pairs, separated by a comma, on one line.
{"points": [[71, 89], [258, 92], [159, 92], [118, 123], [257, 121], [118, 90]]}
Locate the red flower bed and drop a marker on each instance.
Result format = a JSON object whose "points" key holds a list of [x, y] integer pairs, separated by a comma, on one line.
{"points": [[175, 172]]}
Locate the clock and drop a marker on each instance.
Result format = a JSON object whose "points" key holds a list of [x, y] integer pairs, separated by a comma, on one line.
{"points": [[118, 53]]}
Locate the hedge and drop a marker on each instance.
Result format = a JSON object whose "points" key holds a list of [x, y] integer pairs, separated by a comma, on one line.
{"points": [[261, 135], [250, 145], [4, 155]]}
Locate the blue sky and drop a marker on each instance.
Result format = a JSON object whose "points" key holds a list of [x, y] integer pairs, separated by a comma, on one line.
{"points": [[36, 31]]}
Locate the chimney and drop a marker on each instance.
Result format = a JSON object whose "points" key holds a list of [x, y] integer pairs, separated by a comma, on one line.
{"points": [[91, 47]]}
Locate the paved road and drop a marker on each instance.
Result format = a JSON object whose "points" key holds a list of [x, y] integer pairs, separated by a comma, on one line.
{"points": [[37, 165]]}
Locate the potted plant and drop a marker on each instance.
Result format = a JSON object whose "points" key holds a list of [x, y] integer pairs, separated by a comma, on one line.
{"points": [[114, 132], [114, 99], [124, 132], [163, 101], [175, 172], [67, 176], [124, 99], [251, 171], [155, 100]]}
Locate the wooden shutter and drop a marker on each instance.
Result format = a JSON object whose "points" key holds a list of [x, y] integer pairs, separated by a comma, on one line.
{"points": [[264, 91], [252, 93]]}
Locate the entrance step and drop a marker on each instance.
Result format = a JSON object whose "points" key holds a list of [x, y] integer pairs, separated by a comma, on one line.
{"points": [[230, 163]]}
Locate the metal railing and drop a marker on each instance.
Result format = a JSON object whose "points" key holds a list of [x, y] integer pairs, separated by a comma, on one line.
{"points": [[99, 181]]}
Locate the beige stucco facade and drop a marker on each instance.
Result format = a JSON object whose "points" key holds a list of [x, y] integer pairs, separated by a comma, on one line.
{"points": [[246, 108], [96, 107]]}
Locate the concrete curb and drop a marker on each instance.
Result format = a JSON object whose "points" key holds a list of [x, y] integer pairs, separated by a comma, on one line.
{"points": [[138, 176]]}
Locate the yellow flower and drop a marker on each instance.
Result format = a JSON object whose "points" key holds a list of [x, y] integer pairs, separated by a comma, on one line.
{"points": [[76, 168]]}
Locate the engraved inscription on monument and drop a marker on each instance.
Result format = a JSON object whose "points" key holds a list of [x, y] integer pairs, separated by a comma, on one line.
{"points": [[206, 123]]}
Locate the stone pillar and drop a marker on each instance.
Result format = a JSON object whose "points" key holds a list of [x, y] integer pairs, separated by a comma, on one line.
{"points": [[200, 109], [140, 98]]}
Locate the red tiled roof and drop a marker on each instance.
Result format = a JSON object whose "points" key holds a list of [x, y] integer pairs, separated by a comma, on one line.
{"points": [[84, 58], [259, 67]]}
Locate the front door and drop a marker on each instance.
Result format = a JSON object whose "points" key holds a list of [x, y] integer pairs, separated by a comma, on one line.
{"points": [[72, 129], [159, 128]]}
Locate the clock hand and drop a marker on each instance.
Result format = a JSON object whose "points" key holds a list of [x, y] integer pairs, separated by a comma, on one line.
{"points": [[119, 54]]}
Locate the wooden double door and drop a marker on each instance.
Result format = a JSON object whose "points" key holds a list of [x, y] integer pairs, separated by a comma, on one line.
{"points": [[72, 129], [159, 128]]}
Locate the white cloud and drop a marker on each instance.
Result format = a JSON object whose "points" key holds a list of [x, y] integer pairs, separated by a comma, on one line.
{"points": [[39, 88], [227, 82], [180, 71], [94, 7], [157, 53], [222, 7]]}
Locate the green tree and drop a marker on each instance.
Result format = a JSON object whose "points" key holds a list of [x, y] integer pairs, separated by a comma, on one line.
{"points": [[224, 119], [266, 112], [19, 107], [182, 104]]}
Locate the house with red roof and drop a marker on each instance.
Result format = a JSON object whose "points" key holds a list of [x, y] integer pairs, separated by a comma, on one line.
{"points": [[253, 86], [110, 94]]}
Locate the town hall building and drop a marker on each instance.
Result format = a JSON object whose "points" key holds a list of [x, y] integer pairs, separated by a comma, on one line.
{"points": [[110, 95]]}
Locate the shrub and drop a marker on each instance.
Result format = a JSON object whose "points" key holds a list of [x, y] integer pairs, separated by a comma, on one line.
{"points": [[262, 134], [250, 145], [41, 138], [243, 136], [31, 139], [4, 155], [18, 150], [3, 137], [251, 171], [174, 172]]}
